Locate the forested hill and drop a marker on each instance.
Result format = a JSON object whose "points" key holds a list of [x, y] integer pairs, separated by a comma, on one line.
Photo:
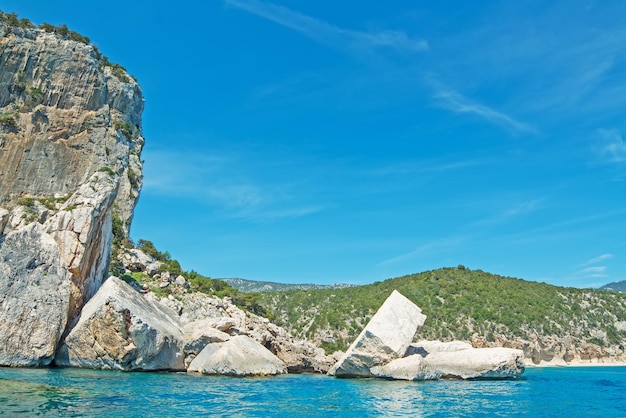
{"points": [[460, 304], [615, 286], [254, 286]]}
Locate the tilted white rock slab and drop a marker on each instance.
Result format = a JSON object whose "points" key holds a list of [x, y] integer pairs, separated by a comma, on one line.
{"points": [[386, 337]]}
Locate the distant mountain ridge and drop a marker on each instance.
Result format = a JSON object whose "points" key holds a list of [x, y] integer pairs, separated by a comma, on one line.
{"points": [[256, 286], [615, 286]]}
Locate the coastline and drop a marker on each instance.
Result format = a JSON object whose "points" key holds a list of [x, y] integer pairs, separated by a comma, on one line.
{"points": [[578, 364]]}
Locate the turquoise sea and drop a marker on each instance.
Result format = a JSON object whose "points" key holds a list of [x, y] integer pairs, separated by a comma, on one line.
{"points": [[542, 392]]}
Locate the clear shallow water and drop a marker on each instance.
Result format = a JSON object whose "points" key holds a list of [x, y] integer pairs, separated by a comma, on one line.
{"points": [[571, 392]]}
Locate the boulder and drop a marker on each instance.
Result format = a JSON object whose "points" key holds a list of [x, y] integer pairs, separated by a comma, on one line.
{"points": [[197, 334], [424, 348], [470, 363], [136, 260], [386, 337], [239, 356], [120, 329], [210, 312]]}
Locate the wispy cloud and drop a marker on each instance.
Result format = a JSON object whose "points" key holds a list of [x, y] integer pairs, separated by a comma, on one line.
{"points": [[594, 270], [519, 209], [561, 230], [612, 146], [598, 259], [328, 34], [436, 246], [223, 182], [522, 208], [456, 102], [432, 166]]}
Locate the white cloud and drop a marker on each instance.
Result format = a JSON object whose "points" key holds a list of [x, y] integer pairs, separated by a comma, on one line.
{"points": [[599, 258], [594, 270], [223, 181], [432, 166], [519, 209], [523, 208], [456, 102], [327, 34], [612, 145], [436, 246]]}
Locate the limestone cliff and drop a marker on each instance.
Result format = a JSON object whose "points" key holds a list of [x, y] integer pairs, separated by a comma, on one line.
{"points": [[70, 145], [65, 112]]}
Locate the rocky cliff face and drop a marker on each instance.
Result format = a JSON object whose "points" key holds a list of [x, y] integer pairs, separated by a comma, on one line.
{"points": [[65, 112], [70, 144]]}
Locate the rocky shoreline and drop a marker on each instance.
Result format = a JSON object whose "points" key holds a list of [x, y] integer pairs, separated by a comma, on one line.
{"points": [[121, 328]]}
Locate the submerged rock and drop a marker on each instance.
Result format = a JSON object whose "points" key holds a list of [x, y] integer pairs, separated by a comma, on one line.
{"points": [[239, 356], [386, 337], [120, 329]]}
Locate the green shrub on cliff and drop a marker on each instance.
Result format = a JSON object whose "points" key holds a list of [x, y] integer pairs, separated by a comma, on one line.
{"points": [[8, 120], [12, 20]]}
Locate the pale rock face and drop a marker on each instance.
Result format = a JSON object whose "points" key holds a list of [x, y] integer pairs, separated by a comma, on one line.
{"points": [[82, 228], [477, 363], [120, 329], [430, 347], [197, 334], [386, 337], [34, 297], [239, 356], [72, 116], [468, 363], [48, 271]]}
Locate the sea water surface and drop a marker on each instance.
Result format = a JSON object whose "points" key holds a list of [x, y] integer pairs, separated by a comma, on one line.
{"points": [[541, 392]]}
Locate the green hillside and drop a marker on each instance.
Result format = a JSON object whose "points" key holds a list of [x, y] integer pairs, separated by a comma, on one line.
{"points": [[255, 286], [459, 303], [615, 286]]}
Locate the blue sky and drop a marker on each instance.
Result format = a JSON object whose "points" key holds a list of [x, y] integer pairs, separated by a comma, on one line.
{"points": [[307, 141]]}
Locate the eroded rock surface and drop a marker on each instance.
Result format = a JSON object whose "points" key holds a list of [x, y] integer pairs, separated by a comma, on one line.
{"points": [[67, 114], [239, 356], [120, 329], [48, 270], [466, 363], [34, 296]]}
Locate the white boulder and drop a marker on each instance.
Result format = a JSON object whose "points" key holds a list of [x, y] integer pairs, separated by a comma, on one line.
{"points": [[430, 347], [197, 334], [470, 363], [239, 356]]}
